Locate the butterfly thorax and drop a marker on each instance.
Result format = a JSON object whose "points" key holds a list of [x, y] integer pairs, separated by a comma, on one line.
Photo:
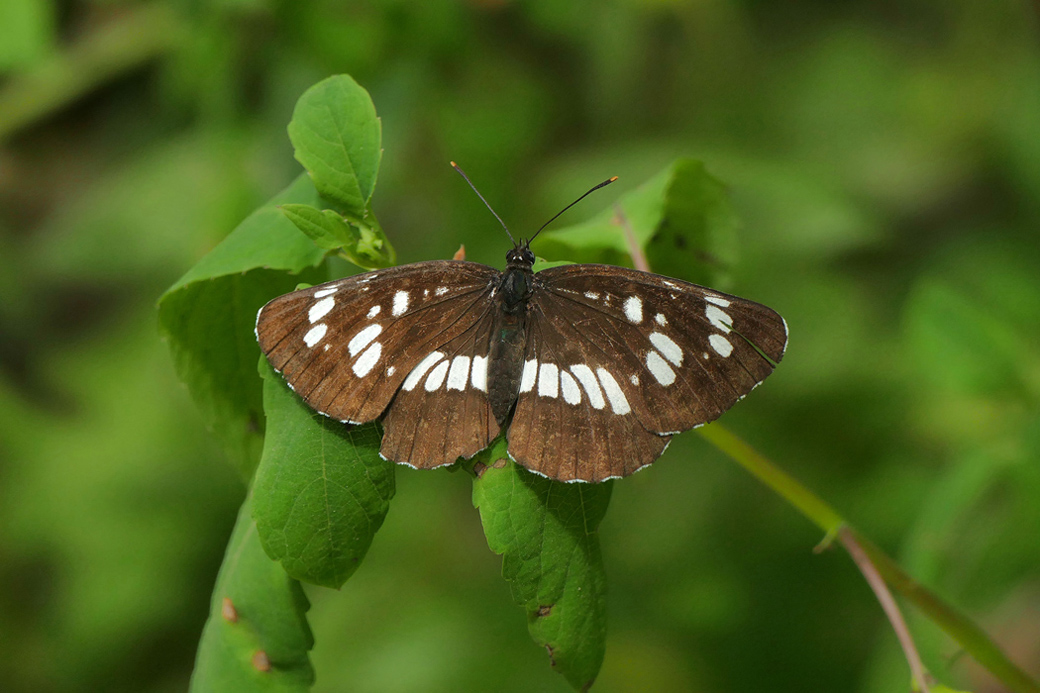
{"points": [[509, 337]]}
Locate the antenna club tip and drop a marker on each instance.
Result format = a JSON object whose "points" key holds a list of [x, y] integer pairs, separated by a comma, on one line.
{"points": [[453, 164], [613, 178]]}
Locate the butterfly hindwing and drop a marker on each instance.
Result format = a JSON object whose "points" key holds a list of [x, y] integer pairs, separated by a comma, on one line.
{"points": [[573, 421], [442, 411]]}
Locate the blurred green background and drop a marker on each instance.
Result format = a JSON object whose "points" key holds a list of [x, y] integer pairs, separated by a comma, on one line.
{"points": [[884, 157]]}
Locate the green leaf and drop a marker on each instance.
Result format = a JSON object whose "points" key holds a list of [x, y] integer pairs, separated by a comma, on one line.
{"points": [[682, 219], [256, 637], [326, 228], [322, 490], [336, 136], [208, 317], [363, 244], [547, 534]]}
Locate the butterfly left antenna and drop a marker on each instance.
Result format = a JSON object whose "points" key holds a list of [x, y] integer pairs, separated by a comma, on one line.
{"points": [[463, 174]]}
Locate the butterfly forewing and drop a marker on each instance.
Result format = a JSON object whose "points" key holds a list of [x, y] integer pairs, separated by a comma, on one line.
{"points": [[347, 346], [650, 356]]}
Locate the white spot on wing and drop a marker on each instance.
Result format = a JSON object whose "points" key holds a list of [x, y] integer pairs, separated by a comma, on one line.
{"points": [[592, 295], [634, 379], [368, 360], [436, 376], [459, 373], [400, 303], [390, 370], [527, 378], [661, 319], [478, 376], [719, 318], [721, 345], [362, 338], [667, 347], [441, 290], [618, 401], [571, 391], [320, 309], [420, 370], [324, 292], [315, 334], [717, 301], [659, 368], [374, 311], [634, 309], [548, 380], [588, 381]]}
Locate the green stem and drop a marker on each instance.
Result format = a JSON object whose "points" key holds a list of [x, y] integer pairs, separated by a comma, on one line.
{"points": [[957, 625], [135, 37]]}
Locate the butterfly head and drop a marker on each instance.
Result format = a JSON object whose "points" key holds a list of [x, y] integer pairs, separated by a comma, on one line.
{"points": [[520, 256]]}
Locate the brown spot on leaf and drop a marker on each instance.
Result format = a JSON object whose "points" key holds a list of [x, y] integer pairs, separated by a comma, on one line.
{"points": [[479, 468], [544, 611], [500, 463], [460, 254], [261, 662], [228, 610], [551, 651]]}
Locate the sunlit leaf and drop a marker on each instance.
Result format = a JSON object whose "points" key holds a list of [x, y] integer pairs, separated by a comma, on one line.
{"points": [[322, 490], [336, 136]]}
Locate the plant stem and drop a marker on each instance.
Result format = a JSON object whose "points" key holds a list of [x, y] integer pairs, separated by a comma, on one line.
{"points": [[957, 625]]}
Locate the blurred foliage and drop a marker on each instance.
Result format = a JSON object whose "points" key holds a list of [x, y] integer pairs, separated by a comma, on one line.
{"points": [[884, 159]]}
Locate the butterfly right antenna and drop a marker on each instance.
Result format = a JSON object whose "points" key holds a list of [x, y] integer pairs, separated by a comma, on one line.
{"points": [[594, 189]]}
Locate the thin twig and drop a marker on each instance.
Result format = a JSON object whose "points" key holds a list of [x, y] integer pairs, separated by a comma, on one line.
{"points": [[639, 260], [888, 604]]}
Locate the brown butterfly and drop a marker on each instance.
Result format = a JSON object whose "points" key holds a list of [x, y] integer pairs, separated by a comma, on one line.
{"points": [[590, 369]]}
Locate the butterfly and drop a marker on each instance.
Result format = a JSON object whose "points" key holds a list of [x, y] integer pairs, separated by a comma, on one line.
{"points": [[590, 369]]}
